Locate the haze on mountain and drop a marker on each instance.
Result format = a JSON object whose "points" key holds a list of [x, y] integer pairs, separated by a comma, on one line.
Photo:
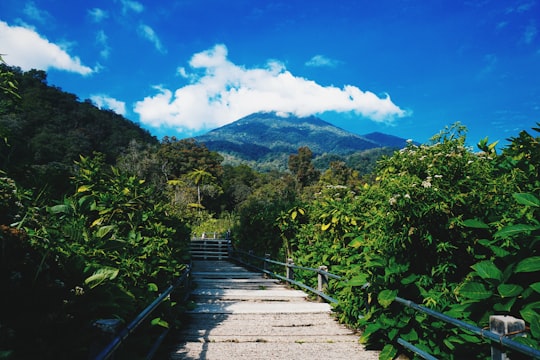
{"points": [[265, 140]]}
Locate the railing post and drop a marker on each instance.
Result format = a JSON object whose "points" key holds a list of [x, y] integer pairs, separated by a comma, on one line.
{"points": [[322, 281], [265, 264], [250, 253], [505, 326], [290, 270]]}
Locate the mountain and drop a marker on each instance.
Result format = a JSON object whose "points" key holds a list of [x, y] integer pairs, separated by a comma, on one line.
{"points": [[265, 140]]}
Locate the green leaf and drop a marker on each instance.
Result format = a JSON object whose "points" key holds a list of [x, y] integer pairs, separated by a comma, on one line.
{"points": [[509, 290], [535, 287], [104, 230], [388, 352], [526, 199], [476, 291], [475, 223], [160, 322], [512, 230], [528, 265], [60, 209], [487, 270], [356, 242], [101, 275], [505, 306], [529, 314], [409, 279], [152, 287], [84, 188], [358, 280], [325, 227], [386, 297]]}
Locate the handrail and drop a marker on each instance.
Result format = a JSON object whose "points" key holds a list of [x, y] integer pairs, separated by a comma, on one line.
{"points": [[323, 275], [493, 337], [122, 335], [514, 345]]}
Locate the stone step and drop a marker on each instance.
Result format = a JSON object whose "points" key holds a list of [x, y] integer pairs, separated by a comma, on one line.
{"points": [[242, 315], [260, 350], [266, 307], [225, 275], [257, 295]]}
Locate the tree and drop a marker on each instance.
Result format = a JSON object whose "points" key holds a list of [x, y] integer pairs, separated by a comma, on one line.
{"points": [[199, 176], [302, 168]]}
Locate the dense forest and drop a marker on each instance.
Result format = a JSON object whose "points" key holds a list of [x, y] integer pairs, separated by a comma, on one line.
{"points": [[96, 216]]}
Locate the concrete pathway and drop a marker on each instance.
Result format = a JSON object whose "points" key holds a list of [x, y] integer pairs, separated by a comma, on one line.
{"points": [[241, 315]]}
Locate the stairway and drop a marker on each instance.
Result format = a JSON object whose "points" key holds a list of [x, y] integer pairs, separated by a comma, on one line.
{"points": [[242, 315], [209, 248]]}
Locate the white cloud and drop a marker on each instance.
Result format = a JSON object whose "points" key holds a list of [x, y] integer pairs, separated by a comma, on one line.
{"points": [[27, 49], [149, 34], [98, 15], [322, 61], [530, 33], [107, 102], [223, 92], [33, 12], [129, 5], [102, 40]]}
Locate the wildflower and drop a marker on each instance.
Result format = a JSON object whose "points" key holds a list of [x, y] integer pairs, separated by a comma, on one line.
{"points": [[438, 176], [407, 196], [392, 200], [426, 184]]}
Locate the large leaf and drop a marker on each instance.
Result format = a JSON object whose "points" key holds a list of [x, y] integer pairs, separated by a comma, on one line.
{"points": [[104, 230], [358, 280], [487, 270], [160, 322], [512, 230], [529, 265], [386, 297], [101, 275], [476, 224], [60, 209], [535, 287], [476, 291], [388, 352], [526, 199], [509, 290], [357, 242]]}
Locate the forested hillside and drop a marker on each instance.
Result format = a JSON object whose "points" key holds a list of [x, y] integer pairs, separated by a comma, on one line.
{"points": [[49, 128], [97, 229]]}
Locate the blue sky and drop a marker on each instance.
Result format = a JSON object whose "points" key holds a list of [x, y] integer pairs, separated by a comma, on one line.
{"points": [[181, 68]]}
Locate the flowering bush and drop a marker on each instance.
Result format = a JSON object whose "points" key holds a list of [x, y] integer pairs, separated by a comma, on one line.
{"points": [[416, 232]]}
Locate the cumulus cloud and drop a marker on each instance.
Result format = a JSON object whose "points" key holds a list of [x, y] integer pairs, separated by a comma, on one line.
{"points": [[107, 102], [220, 92], [149, 34], [322, 61], [27, 49]]}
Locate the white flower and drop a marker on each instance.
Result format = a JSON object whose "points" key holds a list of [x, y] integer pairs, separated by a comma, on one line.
{"points": [[407, 196], [426, 184]]}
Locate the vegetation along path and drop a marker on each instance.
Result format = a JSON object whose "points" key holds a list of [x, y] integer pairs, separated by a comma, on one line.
{"points": [[242, 315]]}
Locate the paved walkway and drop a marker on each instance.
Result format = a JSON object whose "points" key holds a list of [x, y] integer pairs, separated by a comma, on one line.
{"points": [[241, 315]]}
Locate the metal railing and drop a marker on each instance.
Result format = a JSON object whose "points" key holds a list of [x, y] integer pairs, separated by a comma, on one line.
{"points": [[323, 276], [183, 281]]}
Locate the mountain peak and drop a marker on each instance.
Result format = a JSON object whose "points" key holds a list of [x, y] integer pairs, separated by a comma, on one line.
{"points": [[272, 137]]}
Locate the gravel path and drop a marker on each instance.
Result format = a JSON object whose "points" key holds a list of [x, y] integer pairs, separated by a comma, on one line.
{"points": [[241, 315]]}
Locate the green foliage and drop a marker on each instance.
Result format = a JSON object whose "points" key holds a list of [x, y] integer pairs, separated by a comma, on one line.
{"points": [[102, 252], [47, 129], [440, 225]]}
